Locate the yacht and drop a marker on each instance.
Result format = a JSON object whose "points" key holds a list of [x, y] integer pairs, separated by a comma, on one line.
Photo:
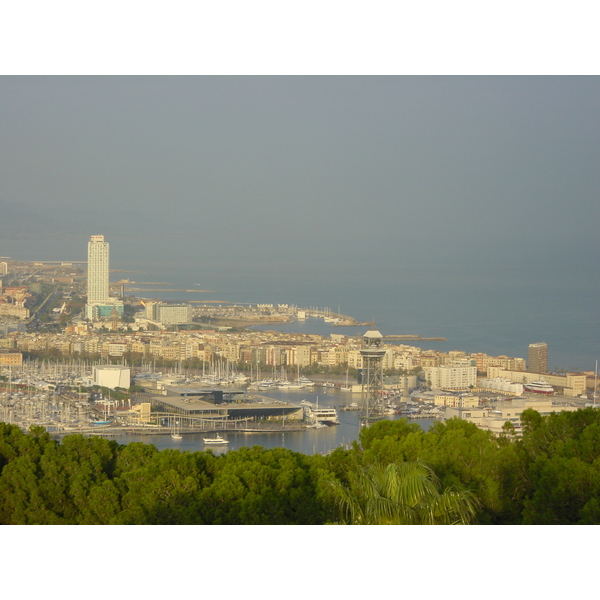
{"points": [[266, 383], [216, 441], [539, 387], [328, 416]]}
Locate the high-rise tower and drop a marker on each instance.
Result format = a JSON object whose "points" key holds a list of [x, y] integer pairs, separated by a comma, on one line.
{"points": [[97, 288], [99, 303], [372, 354], [537, 358]]}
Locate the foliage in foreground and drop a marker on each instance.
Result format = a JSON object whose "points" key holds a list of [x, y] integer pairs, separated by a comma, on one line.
{"points": [[405, 493], [395, 473]]}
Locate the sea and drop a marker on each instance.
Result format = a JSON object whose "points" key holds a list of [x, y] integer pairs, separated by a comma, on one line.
{"points": [[483, 314], [490, 314]]}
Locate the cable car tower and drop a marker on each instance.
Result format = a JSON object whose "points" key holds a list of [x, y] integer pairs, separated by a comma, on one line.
{"points": [[372, 353]]}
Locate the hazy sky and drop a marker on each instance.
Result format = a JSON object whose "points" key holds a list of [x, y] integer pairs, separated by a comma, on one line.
{"points": [[498, 173]]}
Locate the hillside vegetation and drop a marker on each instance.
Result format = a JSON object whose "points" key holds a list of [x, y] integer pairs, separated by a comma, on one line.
{"points": [[396, 473]]}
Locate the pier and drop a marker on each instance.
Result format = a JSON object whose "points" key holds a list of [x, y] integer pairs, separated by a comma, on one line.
{"points": [[415, 338]]}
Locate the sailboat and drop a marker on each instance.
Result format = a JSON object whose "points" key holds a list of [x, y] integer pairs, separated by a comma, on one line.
{"points": [[346, 388], [296, 385], [175, 434]]}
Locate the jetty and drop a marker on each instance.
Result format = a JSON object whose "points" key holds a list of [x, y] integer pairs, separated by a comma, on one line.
{"points": [[412, 337]]}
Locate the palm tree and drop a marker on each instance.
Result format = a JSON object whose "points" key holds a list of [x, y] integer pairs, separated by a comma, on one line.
{"points": [[404, 493]]}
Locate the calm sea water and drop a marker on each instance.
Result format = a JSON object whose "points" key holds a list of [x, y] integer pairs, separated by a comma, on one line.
{"points": [[479, 314]]}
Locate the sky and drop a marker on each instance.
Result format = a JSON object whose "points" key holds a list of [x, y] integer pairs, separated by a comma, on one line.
{"points": [[284, 171]]}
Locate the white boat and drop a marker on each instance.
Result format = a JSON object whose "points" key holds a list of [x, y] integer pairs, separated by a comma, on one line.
{"points": [[328, 416], [218, 440], [293, 385], [539, 387], [296, 386], [266, 383], [176, 432], [285, 385]]}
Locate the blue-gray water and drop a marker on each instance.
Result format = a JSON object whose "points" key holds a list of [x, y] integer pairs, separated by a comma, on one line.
{"points": [[496, 313], [519, 296]]}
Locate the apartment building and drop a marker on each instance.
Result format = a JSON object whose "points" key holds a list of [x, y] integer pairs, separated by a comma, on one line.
{"points": [[537, 358], [10, 359], [451, 377], [174, 314]]}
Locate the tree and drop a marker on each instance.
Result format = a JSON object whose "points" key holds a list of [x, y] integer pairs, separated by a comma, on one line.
{"points": [[258, 486], [406, 493]]}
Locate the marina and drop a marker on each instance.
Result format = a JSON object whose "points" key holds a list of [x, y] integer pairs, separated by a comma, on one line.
{"points": [[326, 417], [307, 439]]}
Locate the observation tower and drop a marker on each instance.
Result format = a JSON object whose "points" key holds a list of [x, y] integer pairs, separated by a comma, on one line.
{"points": [[372, 402]]}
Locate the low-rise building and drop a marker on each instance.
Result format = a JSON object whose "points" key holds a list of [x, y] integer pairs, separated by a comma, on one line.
{"points": [[456, 400], [112, 376], [10, 359], [494, 418], [571, 384]]}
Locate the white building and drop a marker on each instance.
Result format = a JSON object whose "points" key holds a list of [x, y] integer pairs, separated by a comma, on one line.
{"points": [[97, 288], [174, 314], [494, 418], [502, 385], [451, 377], [112, 376], [99, 303]]}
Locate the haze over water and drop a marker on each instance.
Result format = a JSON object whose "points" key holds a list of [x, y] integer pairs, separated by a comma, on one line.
{"points": [[460, 207]]}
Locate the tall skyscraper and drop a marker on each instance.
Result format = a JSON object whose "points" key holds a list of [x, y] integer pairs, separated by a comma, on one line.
{"points": [[97, 288], [537, 358], [99, 303]]}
